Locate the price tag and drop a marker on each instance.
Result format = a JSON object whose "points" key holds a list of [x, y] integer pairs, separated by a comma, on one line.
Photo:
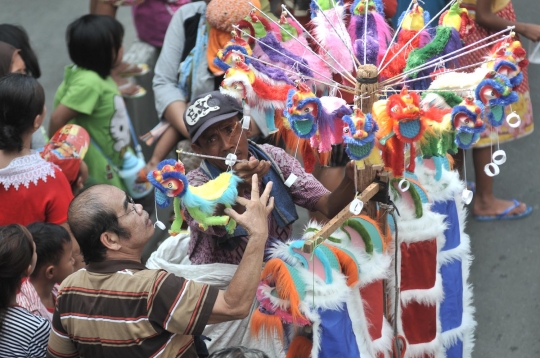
{"points": [[467, 196], [356, 206], [499, 157], [230, 160], [291, 180], [246, 121], [160, 225]]}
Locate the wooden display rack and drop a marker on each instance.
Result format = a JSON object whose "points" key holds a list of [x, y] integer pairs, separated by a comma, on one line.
{"points": [[369, 177]]}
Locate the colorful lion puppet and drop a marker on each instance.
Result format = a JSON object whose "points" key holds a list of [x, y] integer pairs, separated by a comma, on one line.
{"points": [[318, 119], [170, 181], [495, 92], [510, 58], [359, 136], [401, 122], [467, 122]]}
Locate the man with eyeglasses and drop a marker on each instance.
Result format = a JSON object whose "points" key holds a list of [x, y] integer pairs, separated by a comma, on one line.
{"points": [[214, 122], [117, 307]]}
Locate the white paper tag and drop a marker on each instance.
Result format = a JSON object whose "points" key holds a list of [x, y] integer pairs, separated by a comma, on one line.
{"points": [[356, 206], [160, 225], [230, 160], [492, 169], [291, 180], [246, 122], [513, 120], [467, 196], [499, 157]]}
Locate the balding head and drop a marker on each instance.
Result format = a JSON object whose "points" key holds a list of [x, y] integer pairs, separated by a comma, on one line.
{"points": [[91, 214]]}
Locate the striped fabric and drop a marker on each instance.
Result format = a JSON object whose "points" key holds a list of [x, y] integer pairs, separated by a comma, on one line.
{"points": [[29, 299], [23, 334], [122, 309]]}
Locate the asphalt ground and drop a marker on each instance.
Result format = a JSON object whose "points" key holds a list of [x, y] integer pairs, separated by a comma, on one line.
{"points": [[505, 272]]}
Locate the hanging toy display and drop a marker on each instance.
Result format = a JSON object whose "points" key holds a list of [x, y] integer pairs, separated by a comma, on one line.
{"points": [[170, 181], [368, 283]]}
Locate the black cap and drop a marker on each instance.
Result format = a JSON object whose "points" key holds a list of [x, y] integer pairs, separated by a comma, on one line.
{"points": [[208, 109]]}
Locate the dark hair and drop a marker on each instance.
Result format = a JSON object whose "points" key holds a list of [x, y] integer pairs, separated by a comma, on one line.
{"points": [[94, 41], [88, 218], [49, 239], [17, 37], [238, 352], [21, 100], [16, 251]]}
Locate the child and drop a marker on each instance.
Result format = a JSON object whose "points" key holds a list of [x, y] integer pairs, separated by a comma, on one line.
{"points": [[90, 98], [21, 333], [31, 189], [492, 16], [54, 263]]}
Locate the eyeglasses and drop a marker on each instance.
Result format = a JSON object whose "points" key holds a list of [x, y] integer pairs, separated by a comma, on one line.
{"points": [[134, 207]]}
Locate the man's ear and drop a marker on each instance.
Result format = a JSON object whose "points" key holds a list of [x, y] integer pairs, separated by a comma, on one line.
{"points": [[110, 241], [50, 271]]}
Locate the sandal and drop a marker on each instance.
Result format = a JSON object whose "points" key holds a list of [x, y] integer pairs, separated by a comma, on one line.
{"points": [[135, 70], [505, 214]]}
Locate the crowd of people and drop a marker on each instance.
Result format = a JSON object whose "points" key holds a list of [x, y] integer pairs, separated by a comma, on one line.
{"points": [[72, 229]]}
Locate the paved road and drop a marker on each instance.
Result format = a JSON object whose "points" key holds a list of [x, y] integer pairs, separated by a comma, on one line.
{"points": [[506, 268]]}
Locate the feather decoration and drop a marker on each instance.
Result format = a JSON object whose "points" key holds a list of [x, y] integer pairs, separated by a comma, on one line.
{"points": [[334, 39]]}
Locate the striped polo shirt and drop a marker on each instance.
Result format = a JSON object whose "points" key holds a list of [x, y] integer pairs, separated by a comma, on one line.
{"points": [[121, 309]]}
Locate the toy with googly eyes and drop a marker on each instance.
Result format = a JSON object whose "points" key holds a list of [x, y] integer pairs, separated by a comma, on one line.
{"points": [[401, 122], [359, 135], [314, 118], [467, 122], [495, 92], [170, 181]]}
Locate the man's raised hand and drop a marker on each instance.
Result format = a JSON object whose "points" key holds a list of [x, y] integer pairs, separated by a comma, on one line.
{"points": [[255, 218]]}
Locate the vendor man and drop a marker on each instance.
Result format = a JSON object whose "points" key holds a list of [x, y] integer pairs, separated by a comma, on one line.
{"points": [[214, 123]]}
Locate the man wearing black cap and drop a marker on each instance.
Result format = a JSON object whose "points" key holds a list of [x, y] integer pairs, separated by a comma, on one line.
{"points": [[215, 125]]}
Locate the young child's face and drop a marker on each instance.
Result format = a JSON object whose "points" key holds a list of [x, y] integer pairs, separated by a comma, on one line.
{"points": [[64, 268]]}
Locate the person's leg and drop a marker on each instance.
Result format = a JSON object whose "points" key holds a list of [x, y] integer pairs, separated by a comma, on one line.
{"points": [[485, 202]]}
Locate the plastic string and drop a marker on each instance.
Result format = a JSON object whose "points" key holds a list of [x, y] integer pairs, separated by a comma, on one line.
{"points": [[416, 35], [304, 45], [425, 66], [346, 72], [365, 30], [444, 57], [282, 54], [395, 35], [355, 60], [334, 83]]}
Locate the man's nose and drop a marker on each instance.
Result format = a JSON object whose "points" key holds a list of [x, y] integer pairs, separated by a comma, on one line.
{"points": [[227, 142]]}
